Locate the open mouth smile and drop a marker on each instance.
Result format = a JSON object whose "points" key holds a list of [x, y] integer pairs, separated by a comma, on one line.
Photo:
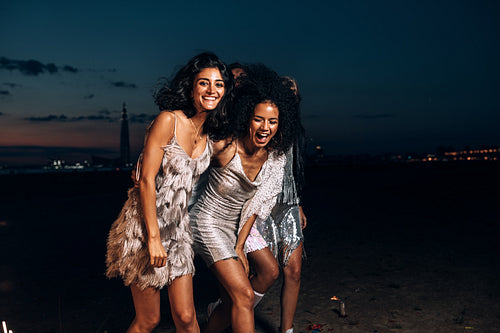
{"points": [[262, 137]]}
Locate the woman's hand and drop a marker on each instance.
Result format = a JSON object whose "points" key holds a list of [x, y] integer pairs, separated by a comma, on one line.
{"points": [[303, 218], [157, 253], [243, 260]]}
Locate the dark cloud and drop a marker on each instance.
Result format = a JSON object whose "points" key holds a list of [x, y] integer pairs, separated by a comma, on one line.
{"points": [[32, 67], [142, 118], [51, 68], [64, 118], [89, 96], [70, 69], [103, 115], [121, 84], [1, 114], [374, 116], [106, 112], [47, 118], [4, 93], [100, 118], [12, 85]]}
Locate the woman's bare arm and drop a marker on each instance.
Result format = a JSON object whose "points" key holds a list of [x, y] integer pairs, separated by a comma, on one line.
{"points": [[240, 242], [160, 134]]}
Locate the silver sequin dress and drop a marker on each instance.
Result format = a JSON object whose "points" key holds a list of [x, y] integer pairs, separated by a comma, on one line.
{"points": [[283, 230], [228, 200], [127, 252]]}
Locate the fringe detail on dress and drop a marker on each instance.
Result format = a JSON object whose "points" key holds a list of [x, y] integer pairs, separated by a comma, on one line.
{"points": [[282, 232], [288, 193], [127, 249]]}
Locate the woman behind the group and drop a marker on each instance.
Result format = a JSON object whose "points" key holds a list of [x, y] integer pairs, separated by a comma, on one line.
{"points": [[150, 243], [244, 181]]}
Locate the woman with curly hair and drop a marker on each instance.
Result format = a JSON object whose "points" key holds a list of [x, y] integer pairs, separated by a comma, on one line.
{"points": [[244, 180], [150, 243], [283, 231]]}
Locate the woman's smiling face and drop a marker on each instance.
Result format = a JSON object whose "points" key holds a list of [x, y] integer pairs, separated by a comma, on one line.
{"points": [[208, 89], [263, 124]]}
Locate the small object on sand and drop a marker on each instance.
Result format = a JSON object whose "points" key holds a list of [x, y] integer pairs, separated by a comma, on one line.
{"points": [[315, 327], [342, 309]]}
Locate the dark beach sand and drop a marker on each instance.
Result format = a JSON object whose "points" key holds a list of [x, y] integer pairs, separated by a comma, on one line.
{"points": [[409, 248]]}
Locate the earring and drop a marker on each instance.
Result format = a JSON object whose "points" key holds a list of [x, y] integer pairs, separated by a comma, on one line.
{"points": [[276, 142]]}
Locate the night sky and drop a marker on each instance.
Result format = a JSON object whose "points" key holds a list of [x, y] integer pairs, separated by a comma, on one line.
{"points": [[375, 76]]}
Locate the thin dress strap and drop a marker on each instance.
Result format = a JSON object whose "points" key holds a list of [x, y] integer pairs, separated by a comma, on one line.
{"points": [[175, 125], [138, 168], [138, 165]]}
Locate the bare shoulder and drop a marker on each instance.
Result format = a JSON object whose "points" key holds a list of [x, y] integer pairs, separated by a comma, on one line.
{"points": [[223, 151], [165, 117], [162, 128], [221, 145]]}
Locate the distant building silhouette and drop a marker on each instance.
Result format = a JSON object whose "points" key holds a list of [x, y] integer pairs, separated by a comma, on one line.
{"points": [[124, 139]]}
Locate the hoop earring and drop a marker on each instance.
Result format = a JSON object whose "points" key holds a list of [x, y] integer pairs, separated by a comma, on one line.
{"points": [[276, 142]]}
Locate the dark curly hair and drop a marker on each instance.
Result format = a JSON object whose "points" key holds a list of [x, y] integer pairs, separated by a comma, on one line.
{"points": [[238, 65], [176, 93], [299, 145], [264, 85]]}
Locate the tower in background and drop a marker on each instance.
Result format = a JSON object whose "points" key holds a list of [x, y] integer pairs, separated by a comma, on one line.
{"points": [[124, 139]]}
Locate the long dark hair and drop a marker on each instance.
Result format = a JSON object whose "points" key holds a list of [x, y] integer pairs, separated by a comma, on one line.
{"points": [[299, 144], [176, 93]]}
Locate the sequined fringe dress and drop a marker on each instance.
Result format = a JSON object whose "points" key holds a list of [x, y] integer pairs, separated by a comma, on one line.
{"points": [[127, 250], [282, 230]]}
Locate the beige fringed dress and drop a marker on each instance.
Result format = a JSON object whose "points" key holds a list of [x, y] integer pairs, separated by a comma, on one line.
{"points": [[127, 253]]}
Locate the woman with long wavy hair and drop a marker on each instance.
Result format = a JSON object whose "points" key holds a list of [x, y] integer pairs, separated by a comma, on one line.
{"points": [[150, 243]]}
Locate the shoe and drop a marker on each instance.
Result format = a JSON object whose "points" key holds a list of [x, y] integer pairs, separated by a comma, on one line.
{"points": [[211, 306]]}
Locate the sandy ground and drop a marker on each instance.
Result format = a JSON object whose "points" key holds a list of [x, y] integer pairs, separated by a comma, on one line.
{"points": [[408, 249]]}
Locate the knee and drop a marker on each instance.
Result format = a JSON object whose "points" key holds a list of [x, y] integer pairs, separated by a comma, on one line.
{"points": [[244, 298], [292, 272], [270, 274], [147, 323], [273, 273], [184, 319]]}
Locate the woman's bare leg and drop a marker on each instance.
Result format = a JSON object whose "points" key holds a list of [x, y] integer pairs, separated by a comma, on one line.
{"points": [[266, 269], [290, 288], [238, 302], [147, 309], [180, 295]]}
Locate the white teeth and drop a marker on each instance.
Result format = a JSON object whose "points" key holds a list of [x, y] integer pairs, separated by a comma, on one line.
{"points": [[209, 98]]}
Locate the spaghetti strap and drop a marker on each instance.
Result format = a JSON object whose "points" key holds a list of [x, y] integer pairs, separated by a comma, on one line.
{"points": [[175, 125], [236, 150], [138, 166]]}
